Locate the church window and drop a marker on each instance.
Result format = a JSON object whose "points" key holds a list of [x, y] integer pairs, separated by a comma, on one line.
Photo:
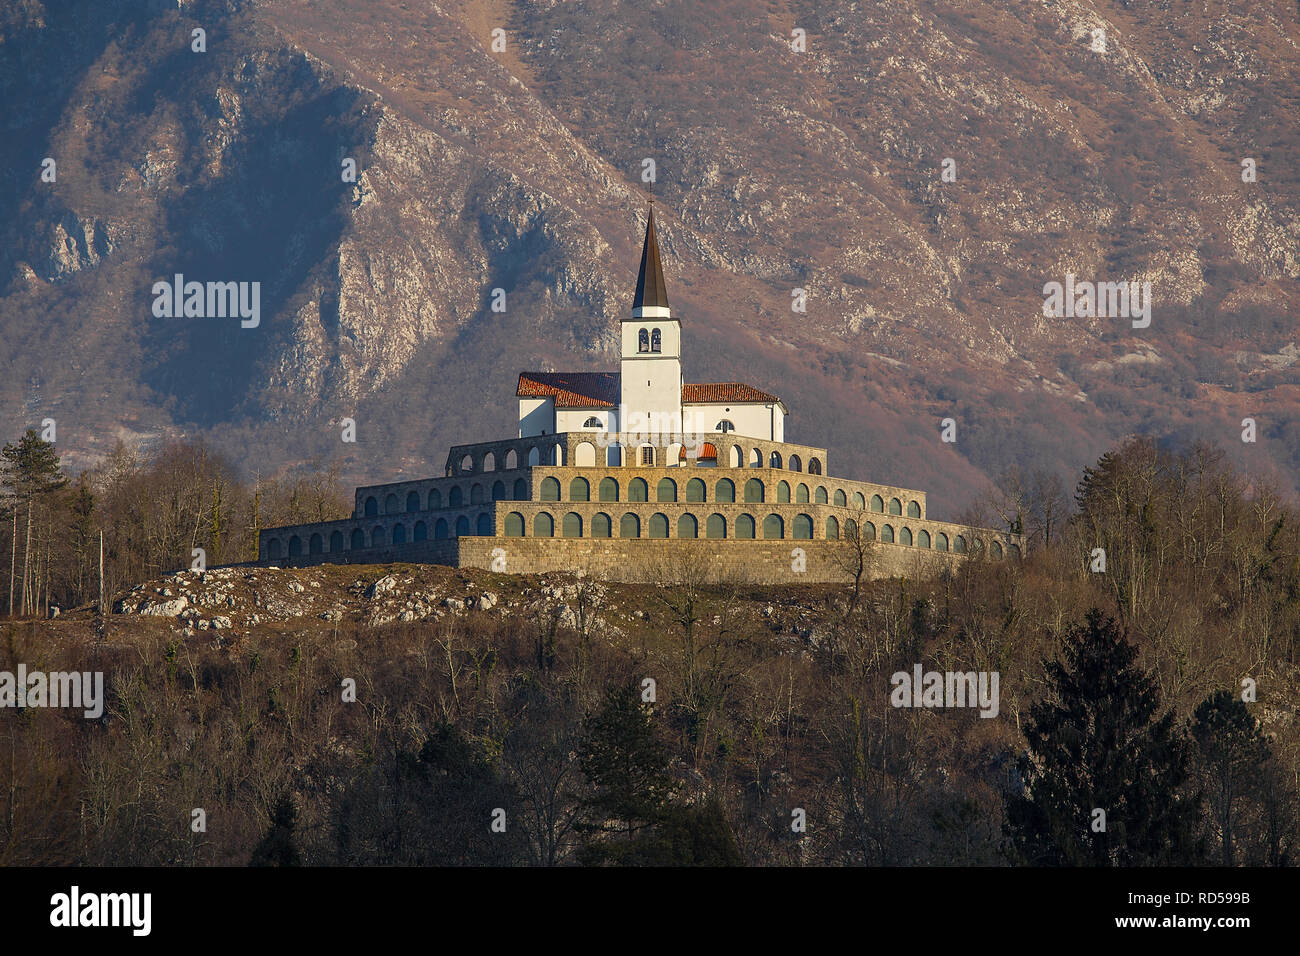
{"points": [[643, 341], [724, 426], [656, 342], [647, 455], [592, 422]]}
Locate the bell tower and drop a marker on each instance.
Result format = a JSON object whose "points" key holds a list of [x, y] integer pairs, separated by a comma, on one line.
{"points": [[651, 382]]}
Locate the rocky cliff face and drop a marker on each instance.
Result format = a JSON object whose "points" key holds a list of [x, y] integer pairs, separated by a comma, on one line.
{"points": [[1101, 140]]}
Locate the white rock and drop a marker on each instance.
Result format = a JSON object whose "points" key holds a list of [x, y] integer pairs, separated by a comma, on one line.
{"points": [[166, 608], [382, 586]]}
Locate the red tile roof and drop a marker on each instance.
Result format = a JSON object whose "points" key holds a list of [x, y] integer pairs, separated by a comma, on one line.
{"points": [[601, 390], [571, 389], [712, 393]]}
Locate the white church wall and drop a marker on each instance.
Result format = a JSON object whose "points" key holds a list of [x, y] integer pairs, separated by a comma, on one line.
{"points": [[536, 417], [753, 421], [575, 419]]}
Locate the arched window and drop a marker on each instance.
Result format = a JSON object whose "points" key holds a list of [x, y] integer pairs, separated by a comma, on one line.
{"points": [[774, 461], [832, 529], [483, 527], [638, 490], [295, 547], [514, 525], [819, 497], [658, 525], [840, 499], [440, 529], [666, 490], [803, 527], [648, 456], [601, 525], [877, 503], [543, 525], [736, 457], [462, 527], [629, 526], [996, 550], [467, 464], [905, 537], [521, 490], [941, 542], [895, 506], [435, 499], [688, 527], [390, 505], [534, 456], [755, 458], [421, 532], [708, 456], [579, 490], [413, 501], [724, 426], [572, 526], [715, 527], [455, 497], [358, 539], [814, 466], [801, 493], [550, 489], [724, 490], [913, 509], [476, 494], [859, 502], [959, 544], [489, 461], [656, 341], [592, 422], [695, 490], [608, 489], [887, 534], [498, 491], [923, 539], [372, 506], [512, 459], [796, 463], [868, 531], [643, 341], [773, 527], [273, 549], [399, 534], [753, 490], [336, 542], [850, 530], [377, 537], [782, 492], [745, 526]]}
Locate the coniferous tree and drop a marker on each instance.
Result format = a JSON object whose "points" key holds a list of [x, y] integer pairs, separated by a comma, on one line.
{"points": [[628, 764], [30, 471], [1098, 744], [1232, 757]]}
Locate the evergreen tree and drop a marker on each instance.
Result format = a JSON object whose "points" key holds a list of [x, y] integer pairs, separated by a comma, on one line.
{"points": [[277, 847], [29, 471], [627, 763], [1098, 744], [1231, 757]]}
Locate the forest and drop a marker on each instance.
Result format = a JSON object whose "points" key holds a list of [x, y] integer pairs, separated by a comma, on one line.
{"points": [[1147, 710]]}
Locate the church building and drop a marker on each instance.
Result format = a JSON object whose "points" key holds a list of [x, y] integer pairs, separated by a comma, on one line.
{"points": [[619, 473]]}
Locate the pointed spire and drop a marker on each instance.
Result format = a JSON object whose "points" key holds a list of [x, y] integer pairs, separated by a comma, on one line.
{"points": [[651, 294]]}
